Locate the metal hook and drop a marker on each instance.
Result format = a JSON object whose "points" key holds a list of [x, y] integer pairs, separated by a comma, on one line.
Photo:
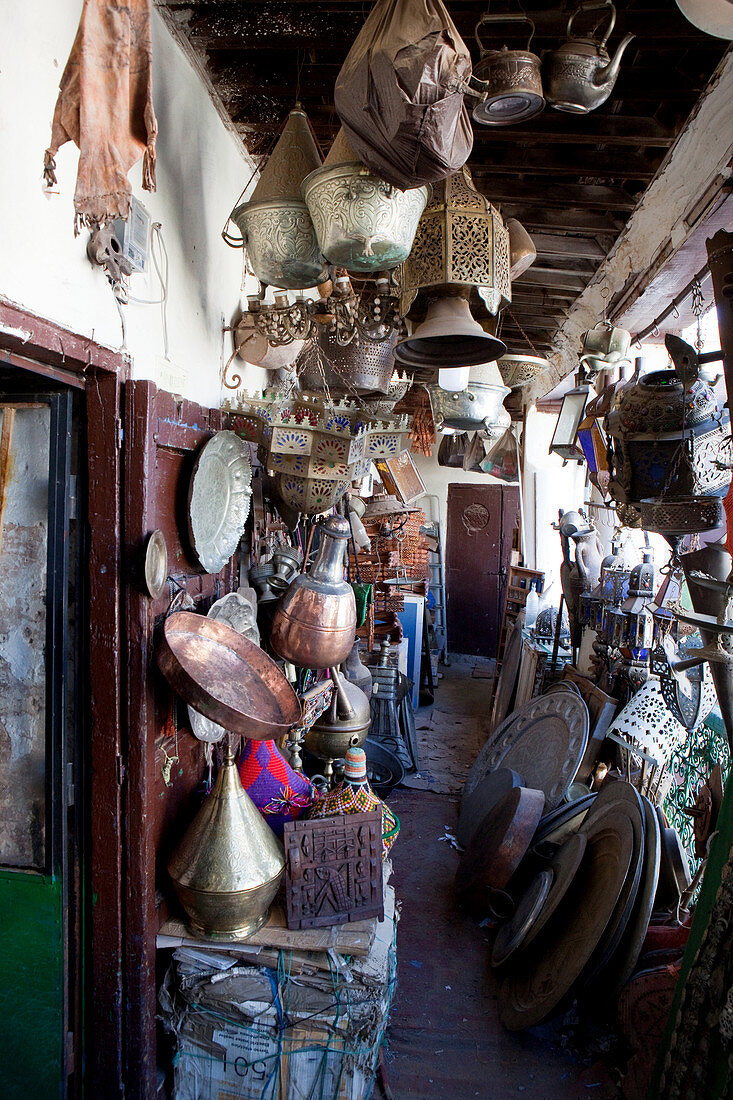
{"points": [[637, 344], [675, 311], [655, 331]]}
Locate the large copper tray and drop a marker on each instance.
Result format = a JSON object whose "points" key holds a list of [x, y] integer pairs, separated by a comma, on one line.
{"points": [[225, 677]]}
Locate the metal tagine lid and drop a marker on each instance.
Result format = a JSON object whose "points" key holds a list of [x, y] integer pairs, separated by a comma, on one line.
{"points": [[295, 155]]}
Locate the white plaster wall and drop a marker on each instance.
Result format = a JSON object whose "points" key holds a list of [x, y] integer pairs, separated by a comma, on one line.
{"points": [[556, 487], [200, 172]]}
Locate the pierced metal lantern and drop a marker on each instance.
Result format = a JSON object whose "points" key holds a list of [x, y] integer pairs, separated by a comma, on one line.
{"points": [[461, 245], [637, 609], [669, 441], [521, 370]]}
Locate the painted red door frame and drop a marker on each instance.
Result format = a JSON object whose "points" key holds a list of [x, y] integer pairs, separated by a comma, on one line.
{"points": [[52, 351]]}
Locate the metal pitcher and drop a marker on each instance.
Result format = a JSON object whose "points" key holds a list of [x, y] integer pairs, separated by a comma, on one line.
{"points": [[580, 75], [315, 623], [513, 78]]}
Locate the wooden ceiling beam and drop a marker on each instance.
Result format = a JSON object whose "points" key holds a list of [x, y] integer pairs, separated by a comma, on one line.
{"points": [[604, 227], [619, 164], [553, 280], [653, 26], [598, 129], [580, 196], [557, 244]]}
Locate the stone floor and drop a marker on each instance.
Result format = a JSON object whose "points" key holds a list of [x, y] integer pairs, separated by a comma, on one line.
{"points": [[444, 1037]]}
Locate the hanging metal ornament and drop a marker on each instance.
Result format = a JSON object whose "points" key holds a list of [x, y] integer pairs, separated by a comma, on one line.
{"points": [[670, 446], [362, 222], [277, 231], [459, 265], [681, 683]]}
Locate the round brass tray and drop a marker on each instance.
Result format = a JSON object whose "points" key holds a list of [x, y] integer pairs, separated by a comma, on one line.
{"points": [[543, 741], [156, 564], [564, 867], [225, 677], [631, 945], [513, 933]]}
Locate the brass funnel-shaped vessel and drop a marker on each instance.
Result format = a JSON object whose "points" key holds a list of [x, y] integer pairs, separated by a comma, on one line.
{"points": [[228, 866]]}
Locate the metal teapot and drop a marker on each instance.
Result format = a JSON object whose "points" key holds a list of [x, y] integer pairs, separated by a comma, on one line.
{"points": [[580, 75], [513, 79]]}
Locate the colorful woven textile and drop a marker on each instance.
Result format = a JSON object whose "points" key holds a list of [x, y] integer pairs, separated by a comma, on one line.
{"points": [[278, 792], [357, 797]]}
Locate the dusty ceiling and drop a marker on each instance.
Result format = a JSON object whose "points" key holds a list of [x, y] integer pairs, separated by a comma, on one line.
{"points": [[572, 181]]}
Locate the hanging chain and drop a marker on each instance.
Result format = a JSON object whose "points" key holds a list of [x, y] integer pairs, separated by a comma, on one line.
{"points": [[698, 307], [518, 323]]}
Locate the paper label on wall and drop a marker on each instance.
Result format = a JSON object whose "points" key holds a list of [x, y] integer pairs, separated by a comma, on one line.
{"points": [[170, 376]]}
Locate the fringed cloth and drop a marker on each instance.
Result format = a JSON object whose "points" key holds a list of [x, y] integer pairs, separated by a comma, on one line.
{"points": [[105, 106]]}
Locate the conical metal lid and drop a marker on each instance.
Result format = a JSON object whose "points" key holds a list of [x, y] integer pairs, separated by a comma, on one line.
{"points": [[293, 158], [340, 152], [228, 846]]}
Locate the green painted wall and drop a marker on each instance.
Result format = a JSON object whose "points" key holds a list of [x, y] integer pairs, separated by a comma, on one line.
{"points": [[31, 986]]}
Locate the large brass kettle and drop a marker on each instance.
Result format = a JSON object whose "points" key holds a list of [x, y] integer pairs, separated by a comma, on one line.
{"points": [[580, 75], [343, 726]]}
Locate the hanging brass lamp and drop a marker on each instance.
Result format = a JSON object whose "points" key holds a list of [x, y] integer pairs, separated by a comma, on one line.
{"points": [[228, 866], [449, 337], [458, 270]]}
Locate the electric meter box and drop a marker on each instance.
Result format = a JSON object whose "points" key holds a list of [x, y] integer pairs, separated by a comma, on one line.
{"points": [[133, 235]]}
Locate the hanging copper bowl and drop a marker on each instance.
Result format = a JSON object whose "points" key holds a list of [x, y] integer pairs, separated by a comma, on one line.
{"points": [[225, 677]]}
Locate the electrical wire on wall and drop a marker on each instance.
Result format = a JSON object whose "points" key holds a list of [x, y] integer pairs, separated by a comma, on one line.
{"points": [[103, 249], [160, 260]]}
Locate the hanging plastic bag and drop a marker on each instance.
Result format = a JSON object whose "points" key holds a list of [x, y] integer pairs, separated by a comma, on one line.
{"points": [[501, 459], [400, 91], [475, 454], [452, 449]]}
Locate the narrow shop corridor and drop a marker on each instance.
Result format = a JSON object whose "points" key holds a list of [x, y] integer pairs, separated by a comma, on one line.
{"points": [[444, 1037]]}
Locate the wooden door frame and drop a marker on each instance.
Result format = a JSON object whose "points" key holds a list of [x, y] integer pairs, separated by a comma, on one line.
{"points": [[155, 422], [49, 350]]}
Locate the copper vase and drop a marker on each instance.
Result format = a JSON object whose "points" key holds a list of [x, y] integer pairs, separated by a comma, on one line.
{"points": [[315, 622], [228, 866]]}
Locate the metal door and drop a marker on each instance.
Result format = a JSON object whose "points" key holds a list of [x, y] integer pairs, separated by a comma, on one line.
{"points": [[481, 519], [39, 899]]}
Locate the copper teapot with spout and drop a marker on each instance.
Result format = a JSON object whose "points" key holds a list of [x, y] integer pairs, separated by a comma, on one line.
{"points": [[580, 75]]}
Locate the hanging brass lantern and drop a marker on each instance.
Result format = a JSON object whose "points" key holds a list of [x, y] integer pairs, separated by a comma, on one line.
{"points": [[459, 265], [461, 247], [228, 866]]}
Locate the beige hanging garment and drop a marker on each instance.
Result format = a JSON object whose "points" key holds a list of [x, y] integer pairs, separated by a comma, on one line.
{"points": [[105, 106]]}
